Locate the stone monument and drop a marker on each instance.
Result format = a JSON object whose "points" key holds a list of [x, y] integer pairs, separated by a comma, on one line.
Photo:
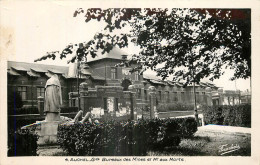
{"points": [[52, 105]]}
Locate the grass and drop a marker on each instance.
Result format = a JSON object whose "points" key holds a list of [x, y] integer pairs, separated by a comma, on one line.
{"points": [[188, 147], [206, 143]]}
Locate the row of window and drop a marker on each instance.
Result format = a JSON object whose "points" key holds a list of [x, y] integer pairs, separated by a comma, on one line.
{"points": [[167, 95], [22, 90]]}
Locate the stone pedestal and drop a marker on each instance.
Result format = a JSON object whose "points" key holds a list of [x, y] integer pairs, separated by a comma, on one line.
{"points": [[49, 129], [48, 132], [153, 111], [52, 116]]}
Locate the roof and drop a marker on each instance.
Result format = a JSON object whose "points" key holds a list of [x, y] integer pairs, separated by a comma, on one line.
{"points": [[207, 84], [56, 71], [151, 77], [72, 72], [33, 69], [115, 53], [40, 70], [19, 68], [43, 68], [33, 74], [157, 82], [13, 73]]}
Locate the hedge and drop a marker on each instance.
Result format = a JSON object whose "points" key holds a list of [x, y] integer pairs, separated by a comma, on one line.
{"points": [[68, 109], [22, 143], [237, 115], [23, 110], [174, 107], [125, 138], [34, 110]]}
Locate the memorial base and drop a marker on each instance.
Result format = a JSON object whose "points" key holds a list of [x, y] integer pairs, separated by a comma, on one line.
{"points": [[48, 133]]}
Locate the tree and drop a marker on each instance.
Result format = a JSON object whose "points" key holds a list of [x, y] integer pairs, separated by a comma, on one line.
{"points": [[189, 44], [179, 42]]}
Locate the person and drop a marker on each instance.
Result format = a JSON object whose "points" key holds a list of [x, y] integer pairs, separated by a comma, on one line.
{"points": [[53, 98]]}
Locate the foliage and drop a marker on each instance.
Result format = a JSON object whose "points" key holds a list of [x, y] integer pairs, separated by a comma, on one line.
{"points": [[190, 44], [14, 100], [125, 137], [174, 107], [237, 115], [22, 143], [68, 109]]}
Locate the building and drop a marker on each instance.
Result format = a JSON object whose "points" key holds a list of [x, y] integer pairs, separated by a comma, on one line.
{"points": [[28, 79]]}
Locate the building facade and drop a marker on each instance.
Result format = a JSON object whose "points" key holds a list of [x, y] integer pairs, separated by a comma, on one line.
{"points": [[29, 79]]}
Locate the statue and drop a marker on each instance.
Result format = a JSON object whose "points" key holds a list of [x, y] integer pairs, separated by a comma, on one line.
{"points": [[53, 99]]}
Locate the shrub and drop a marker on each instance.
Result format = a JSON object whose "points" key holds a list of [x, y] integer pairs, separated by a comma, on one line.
{"points": [[68, 109], [22, 143], [174, 107], [124, 138], [188, 127], [237, 115]]}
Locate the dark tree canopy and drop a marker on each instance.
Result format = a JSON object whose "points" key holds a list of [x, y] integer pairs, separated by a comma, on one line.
{"points": [[190, 44]]}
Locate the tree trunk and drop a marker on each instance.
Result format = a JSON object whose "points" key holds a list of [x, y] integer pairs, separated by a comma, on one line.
{"points": [[195, 100], [195, 105]]}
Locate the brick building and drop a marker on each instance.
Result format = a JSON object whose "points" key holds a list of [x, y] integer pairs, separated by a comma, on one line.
{"points": [[28, 79]]}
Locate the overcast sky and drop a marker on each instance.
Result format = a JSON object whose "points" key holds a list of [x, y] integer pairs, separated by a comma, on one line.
{"points": [[42, 27]]}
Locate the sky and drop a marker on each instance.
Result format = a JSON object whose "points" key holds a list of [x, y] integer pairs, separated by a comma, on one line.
{"points": [[31, 29]]}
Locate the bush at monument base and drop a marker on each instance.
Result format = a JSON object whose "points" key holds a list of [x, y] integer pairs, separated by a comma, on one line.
{"points": [[125, 138]]}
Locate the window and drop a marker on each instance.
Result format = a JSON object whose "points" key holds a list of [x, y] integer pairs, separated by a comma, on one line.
{"points": [[145, 95], [175, 96], [137, 76], [167, 96], [40, 92], [113, 73], [138, 93], [160, 95], [73, 102], [22, 91], [182, 96]]}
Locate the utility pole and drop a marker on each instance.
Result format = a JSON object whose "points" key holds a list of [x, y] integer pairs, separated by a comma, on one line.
{"points": [[78, 67], [105, 74]]}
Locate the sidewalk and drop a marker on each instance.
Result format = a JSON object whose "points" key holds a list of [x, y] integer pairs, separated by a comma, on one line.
{"points": [[225, 129]]}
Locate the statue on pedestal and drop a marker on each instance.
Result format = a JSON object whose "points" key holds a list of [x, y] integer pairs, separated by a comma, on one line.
{"points": [[53, 99]]}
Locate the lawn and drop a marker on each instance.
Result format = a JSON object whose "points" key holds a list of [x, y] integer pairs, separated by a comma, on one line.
{"points": [[207, 143]]}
